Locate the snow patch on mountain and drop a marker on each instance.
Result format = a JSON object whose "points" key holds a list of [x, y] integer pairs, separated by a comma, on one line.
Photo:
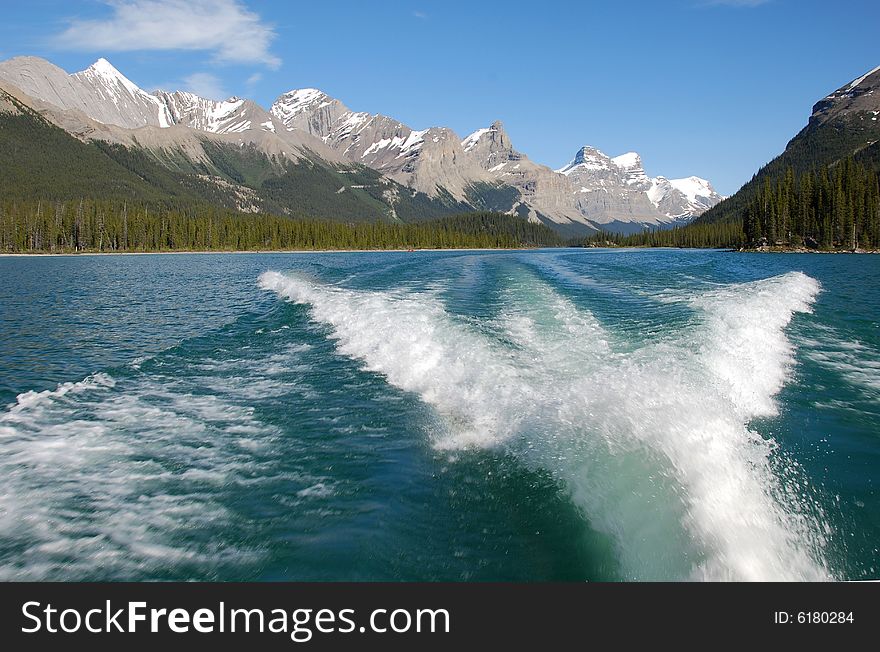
{"points": [[230, 116], [295, 102], [858, 82], [405, 145], [628, 160], [694, 188], [471, 141]]}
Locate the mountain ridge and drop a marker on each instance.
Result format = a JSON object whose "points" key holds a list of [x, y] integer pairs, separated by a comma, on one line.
{"points": [[479, 170]]}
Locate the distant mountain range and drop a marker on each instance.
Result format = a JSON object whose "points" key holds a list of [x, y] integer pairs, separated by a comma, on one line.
{"points": [[311, 155]]}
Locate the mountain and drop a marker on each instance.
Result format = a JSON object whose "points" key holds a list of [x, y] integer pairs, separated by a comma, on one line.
{"points": [[100, 92], [841, 125], [430, 160], [618, 189], [403, 174], [484, 169], [43, 161]]}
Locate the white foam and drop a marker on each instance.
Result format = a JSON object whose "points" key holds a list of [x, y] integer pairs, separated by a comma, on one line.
{"points": [[856, 363], [653, 443], [748, 350], [124, 477]]}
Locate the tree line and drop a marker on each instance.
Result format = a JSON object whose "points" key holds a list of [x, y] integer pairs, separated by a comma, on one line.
{"points": [[87, 225], [832, 207], [719, 235]]}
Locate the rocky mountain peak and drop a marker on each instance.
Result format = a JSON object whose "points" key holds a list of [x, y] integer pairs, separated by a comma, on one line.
{"points": [[860, 95], [300, 100], [587, 158], [309, 109], [102, 72], [104, 67], [490, 146]]}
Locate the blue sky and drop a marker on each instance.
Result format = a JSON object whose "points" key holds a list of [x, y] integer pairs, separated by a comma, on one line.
{"points": [[712, 88]]}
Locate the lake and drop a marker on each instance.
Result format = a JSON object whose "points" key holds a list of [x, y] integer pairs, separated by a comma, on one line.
{"points": [[472, 415]]}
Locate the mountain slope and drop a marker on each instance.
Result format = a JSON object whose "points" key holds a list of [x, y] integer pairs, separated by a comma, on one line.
{"points": [[44, 162], [842, 124]]}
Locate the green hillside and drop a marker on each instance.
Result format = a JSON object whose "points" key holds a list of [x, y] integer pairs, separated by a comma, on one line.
{"points": [[819, 145]]}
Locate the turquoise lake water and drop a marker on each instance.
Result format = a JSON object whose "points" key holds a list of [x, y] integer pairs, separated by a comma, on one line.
{"points": [[543, 415]]}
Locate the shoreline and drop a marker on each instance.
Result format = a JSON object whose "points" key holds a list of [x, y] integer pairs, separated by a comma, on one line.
{"points": [[803, 250], [239, 252], [254, 251]]}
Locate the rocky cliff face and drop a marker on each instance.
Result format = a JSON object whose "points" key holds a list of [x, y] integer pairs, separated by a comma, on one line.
{"points": [[430, 160], [542, 192], [232, 116]]}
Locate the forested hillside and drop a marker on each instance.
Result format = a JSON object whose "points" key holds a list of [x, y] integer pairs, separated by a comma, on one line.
{"points": [[819, 188], [40, 160], [811, 150], [832, 207], [721, 235]]}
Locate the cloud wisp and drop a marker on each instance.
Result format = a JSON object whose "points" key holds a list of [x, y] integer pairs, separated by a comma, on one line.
{"points": [[226, 28]]}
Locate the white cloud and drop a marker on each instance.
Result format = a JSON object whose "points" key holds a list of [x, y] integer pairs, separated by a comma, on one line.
{"points": [[206, 85], [420, 14], [226, 28], [254, 79]]}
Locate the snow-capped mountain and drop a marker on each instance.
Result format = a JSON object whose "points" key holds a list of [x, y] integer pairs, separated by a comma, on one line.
{"points": [[104, 94], [626, 190], [482, 170], [429, 160], [100, 92]]}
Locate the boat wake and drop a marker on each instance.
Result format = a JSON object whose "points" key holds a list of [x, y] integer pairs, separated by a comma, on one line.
{"points": [[651, 441], [128, 474]]}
